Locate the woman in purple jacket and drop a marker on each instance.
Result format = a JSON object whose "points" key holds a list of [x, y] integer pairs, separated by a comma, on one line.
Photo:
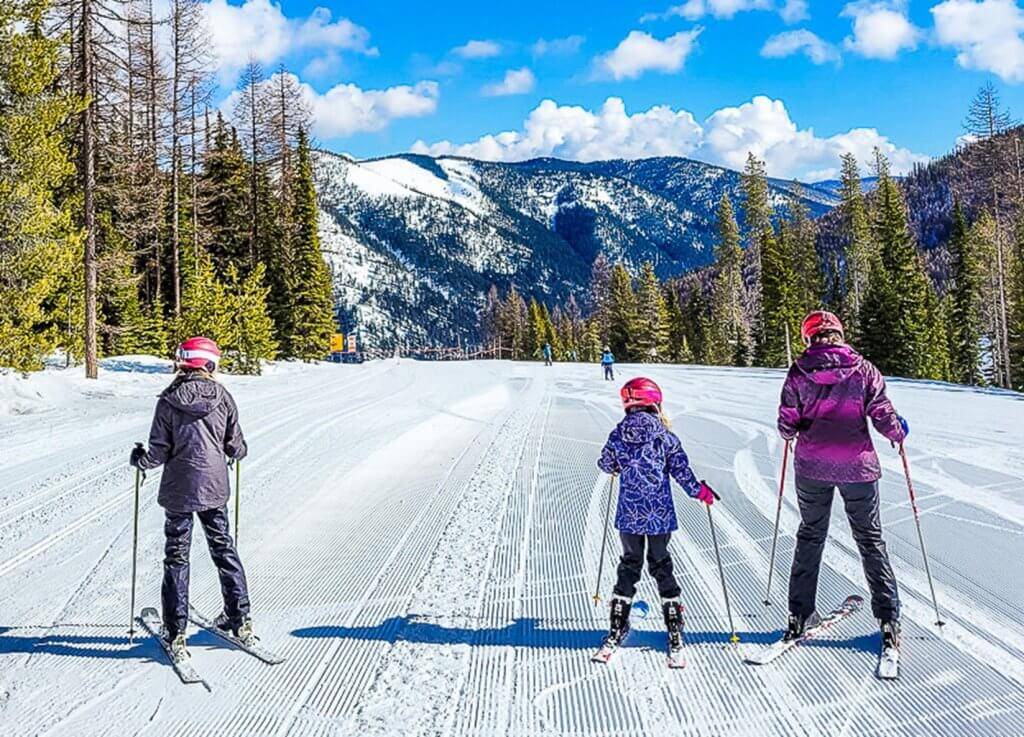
{"points": [[830, 393], [194, 429], [645, 454]]}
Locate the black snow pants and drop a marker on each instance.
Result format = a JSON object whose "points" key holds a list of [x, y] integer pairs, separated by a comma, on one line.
{"points": [[862, 510], [609, 372], [659, 565], [178, 530]]}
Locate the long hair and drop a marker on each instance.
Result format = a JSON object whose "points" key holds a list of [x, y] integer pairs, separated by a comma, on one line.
{"points": [[654, 409], [828, 337]]}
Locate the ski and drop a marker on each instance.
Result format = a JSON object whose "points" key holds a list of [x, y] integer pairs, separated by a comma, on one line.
{"points": [[676, 657], [889, 664], [257, 651], [150, 620], [769, 653]]}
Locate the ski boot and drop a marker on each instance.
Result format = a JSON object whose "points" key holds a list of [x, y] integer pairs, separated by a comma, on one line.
{"points": [[799, 625], [243, 631], [177, 646], [672, 610], [889, 657], [618, 629]]}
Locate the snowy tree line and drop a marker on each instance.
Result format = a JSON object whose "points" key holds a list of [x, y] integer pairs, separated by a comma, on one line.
{"points": [[955, 313], [131, 215]]}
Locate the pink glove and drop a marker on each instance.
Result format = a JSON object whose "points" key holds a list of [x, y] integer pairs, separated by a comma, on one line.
{"points": [[705, 494]]}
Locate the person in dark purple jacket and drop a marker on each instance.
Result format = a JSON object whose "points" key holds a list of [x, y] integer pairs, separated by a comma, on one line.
{"points": [[646, 454], [830, 394], [195, 428]]}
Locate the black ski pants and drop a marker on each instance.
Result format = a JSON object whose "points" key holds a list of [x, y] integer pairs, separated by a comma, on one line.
{"points": [[174, 595], [609, 372], [659, 565], [862, 510]]}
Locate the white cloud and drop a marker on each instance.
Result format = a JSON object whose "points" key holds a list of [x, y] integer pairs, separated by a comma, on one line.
{"points": [[259, 30], [791, 11], [640, 52], [478, 49], [986, 35], [515, 82], [803, 42], [761, 126], [881, 28], [557, 46], [346, 109]]}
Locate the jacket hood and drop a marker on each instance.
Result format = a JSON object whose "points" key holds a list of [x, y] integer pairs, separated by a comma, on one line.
{"points": [[638, 428], [195, 395], [829, 364]]}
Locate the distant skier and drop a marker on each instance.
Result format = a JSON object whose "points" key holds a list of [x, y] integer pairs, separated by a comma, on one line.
{"points": [[608, 363], [547, 354], [830, 393], [645, 453], [195, 426]]}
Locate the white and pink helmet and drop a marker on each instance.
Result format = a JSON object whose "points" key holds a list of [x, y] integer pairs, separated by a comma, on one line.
{"points": [[198, 353]]}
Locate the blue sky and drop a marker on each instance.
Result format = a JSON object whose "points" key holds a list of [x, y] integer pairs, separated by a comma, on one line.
{"points": [[798, 82]]}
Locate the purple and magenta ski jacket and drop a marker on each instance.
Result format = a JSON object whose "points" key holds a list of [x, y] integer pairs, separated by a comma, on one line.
{"points": [[830, 393], [194, 427], [645, 455]]}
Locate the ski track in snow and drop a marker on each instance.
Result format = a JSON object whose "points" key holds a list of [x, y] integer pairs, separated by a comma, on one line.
{"points": [[422, 542]]}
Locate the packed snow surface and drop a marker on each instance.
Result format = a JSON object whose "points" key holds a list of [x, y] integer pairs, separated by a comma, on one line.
{"points": [[422, 543]]}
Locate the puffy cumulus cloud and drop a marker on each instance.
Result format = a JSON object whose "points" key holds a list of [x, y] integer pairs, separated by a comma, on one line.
{"points": [[641, 52], [478, 50], [791, 11], [576, 133], [259, 30], [881, 28], [803, 42], [515, 82], [557, 46], [985, 34], [346, 109], [762, 127]]}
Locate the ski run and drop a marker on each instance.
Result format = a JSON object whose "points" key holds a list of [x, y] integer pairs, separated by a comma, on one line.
{"points": [[422, 544]]}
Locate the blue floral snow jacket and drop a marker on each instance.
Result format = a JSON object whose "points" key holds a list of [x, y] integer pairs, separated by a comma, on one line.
{"points": [[645, 454]]}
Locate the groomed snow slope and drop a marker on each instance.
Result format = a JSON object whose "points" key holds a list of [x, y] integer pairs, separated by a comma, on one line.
{"points": [[422, 542]]}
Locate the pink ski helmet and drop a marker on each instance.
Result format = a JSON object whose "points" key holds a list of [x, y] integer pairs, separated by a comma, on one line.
{"points": [[819, 322], [198, 353], [640, 392]]}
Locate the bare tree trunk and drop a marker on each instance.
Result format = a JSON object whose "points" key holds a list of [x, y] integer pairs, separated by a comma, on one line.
{"points": [[253, 181], [88, 183], [192, 171], [153, 133]]}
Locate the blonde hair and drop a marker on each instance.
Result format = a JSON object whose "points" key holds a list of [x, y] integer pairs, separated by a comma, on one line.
{"points": [[664, 418], [202, 373]]}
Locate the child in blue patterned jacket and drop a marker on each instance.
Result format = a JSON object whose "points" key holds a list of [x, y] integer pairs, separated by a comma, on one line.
{"points": [[645, 454]]}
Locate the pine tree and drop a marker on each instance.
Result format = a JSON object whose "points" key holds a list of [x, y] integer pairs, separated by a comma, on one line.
{"points": [[857, 244], [311, 321], [678, 343], [514, 322], [758, 220], [650, 336], [780, 320], [598, 295], [727, 320], [535, 330], [808, 274], [622, 313], [250, 337], [226, 210], [1017, 311], [206, 308], [965, 307], [697, 313]]}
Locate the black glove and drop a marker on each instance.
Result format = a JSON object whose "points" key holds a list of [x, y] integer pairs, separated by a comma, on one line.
{"points": [[138, 452]]}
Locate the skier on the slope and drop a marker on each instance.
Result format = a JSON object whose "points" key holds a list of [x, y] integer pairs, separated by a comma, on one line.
{"points": [[830, 393], [608, 363], [645, 453], [547, 354], [194, 427]]}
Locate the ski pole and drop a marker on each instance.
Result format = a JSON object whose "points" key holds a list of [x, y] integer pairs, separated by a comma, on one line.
{"points": [[604, 540], [135, 551], [721, 571], [778, 514], [920, 536], [238, 495]]}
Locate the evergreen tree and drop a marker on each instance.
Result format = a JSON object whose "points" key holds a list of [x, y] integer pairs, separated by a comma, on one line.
{"points": [[536, 331], [514, 323], [549, 334], [310, 322], [225, 215], [678, 343], [622, 313], [650, 337], [489, 316], [1016, 318], [758, 220], [808, 274], [780, 318], [250, 337], [857, 244], [598, 295], [41, 298], [697, 312], [592, 343], [205, 305], [965, 307], [727, 320]]}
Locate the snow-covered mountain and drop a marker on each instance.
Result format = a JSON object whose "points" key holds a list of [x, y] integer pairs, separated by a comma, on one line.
{"points": [[415, 242]]}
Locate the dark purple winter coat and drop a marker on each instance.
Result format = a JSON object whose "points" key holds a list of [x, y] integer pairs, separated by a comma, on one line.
{"points": [[195, 426], [645, 454], [829, 394]]}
